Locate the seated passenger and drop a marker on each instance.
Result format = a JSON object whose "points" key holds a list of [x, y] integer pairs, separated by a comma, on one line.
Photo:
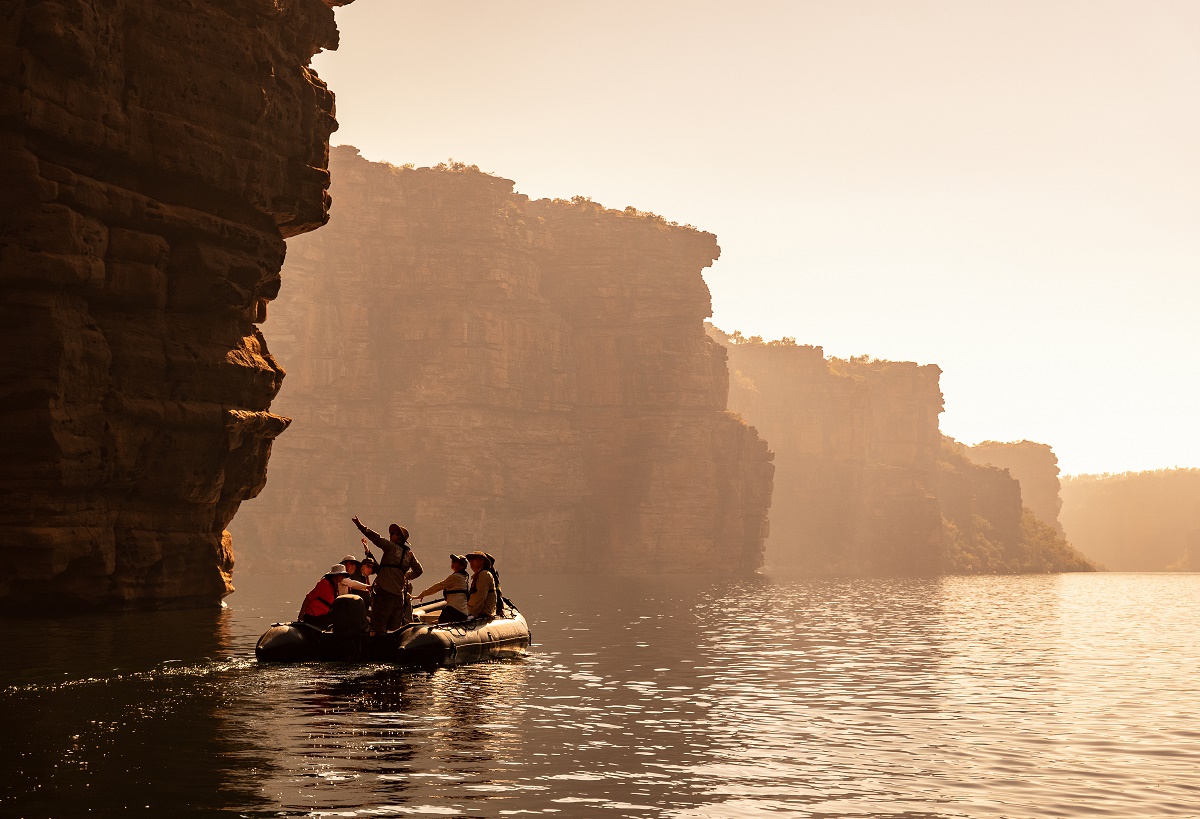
{"points": [[317, 609], [367, 570], [454, 591], [482, 601], [356, 581]]}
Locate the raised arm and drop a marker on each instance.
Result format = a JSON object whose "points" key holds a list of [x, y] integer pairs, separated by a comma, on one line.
{"points": [[371, 534]]}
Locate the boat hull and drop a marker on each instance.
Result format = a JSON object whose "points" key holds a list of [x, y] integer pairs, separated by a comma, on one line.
{"points": [[418, 644]]}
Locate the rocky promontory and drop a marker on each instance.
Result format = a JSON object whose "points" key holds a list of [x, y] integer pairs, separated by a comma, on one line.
{"points": [[529, 377], [866, 483], [154, 155]]}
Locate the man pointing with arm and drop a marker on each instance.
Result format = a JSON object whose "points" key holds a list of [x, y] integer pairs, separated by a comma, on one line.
{"points": [[392, 606]]}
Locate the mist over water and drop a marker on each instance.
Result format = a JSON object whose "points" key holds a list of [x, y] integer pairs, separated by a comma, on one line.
{"points": [[1058, 695]]}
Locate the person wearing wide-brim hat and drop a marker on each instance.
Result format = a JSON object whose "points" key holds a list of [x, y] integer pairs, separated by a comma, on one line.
{"points": [[391, 602], [454, 591], [317, 609], [481, 601]]}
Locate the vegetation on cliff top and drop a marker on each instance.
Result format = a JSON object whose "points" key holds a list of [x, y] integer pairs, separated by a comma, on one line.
{"points": [[1136, 521]]}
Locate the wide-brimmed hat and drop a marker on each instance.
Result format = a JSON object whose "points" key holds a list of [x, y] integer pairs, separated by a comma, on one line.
{"points": [[336, 568], [480, 555], [351, 559]]}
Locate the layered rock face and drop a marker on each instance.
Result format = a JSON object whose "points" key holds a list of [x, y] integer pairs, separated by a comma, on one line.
{"points": [[153, 157], [1035, 466], [865, 482], [857, 447], [532, 378]]}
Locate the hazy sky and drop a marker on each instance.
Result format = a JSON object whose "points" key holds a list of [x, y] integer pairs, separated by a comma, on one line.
{"points": [[1009, 190]]}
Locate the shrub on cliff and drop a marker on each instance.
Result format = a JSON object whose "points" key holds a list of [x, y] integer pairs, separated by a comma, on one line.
{"points": [[1045, 550], [1041, 550]]}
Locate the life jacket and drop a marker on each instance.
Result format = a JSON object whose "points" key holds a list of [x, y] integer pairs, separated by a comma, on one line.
{"points": [[490, 569], [447, 592], [319, 601]]}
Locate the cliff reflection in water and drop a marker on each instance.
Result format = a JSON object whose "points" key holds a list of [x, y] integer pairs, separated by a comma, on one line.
{"points": [[979, 696]]}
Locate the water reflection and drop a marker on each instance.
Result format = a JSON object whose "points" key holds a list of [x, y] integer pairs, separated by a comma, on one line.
{"points": [[1046, 696]]}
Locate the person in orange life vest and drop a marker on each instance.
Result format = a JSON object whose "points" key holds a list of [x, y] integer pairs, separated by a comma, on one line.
{"points": [[318, 603], [454, 591]]}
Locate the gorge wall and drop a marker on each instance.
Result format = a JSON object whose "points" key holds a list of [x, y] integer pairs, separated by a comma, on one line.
{"points": [[865, 482], [529, 377], [856, 448], [1035, 466], [154, 154]]}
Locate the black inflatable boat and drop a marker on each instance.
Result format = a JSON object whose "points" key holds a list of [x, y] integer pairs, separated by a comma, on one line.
{"points": [[417, 644]]}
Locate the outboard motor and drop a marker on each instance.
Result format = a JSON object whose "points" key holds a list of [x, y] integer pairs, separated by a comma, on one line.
{"points": [[351, 627]]}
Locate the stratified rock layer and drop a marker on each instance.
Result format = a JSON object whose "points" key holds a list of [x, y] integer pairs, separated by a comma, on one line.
{"points": [[154, 154], [857, 446], [865, 482], [532, 378], [1035, 466]]}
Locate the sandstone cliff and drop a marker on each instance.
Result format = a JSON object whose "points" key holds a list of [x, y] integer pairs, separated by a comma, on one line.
{"points": [[856, 448], [528, 377], [1035, 466], [865, 482], [154, 154]]}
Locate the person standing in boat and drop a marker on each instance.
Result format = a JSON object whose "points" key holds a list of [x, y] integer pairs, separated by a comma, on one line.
{"points": [[483, 598], [455, 590], [317, 609], [392, 606]]}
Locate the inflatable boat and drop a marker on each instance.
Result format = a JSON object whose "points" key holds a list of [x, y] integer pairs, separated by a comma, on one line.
{"points": [[424, 643]]}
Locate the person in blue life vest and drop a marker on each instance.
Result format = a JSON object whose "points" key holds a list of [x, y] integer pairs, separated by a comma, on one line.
{"points": [[454, 589]]}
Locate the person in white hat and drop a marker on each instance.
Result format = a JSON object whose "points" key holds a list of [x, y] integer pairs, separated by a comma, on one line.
{"points": [[317, 609]]}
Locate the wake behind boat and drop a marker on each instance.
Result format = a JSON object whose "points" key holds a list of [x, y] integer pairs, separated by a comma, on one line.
{"points": [[424, 643]]}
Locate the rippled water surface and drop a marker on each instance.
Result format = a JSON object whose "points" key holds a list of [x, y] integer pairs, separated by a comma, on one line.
{"points": [[1073, 695]]}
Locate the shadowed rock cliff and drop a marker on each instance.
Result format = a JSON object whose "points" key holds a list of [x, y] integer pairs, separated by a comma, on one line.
{"points": [[153, 157], [529, 377]]}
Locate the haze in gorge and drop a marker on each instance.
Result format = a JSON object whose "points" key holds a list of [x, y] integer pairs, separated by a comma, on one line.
{"points": [[818, 376], [1007, 190]]}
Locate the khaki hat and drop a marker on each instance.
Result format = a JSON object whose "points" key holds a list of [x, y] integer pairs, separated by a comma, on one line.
{"points": [[351, 559], [337, 568], [480, 555]]}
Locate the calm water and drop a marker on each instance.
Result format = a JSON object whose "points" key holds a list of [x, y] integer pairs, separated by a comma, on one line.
{"points": [[1073, 695]]}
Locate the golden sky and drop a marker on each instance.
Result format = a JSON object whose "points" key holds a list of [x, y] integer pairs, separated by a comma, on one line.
{"points": [[1010, 190]]}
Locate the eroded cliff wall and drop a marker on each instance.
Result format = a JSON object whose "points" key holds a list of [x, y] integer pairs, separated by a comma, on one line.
{"points": [[154, 154], [528, 377], [1035, 466], [865, 482], [856, 447]]}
